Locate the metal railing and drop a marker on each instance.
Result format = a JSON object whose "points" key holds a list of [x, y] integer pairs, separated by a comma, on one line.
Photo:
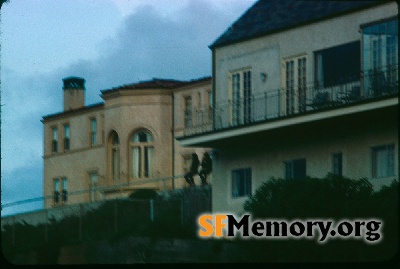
{"points": [[272, 104], [68, 198]]}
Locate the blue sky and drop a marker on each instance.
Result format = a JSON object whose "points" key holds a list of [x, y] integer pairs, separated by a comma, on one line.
{"points": [[107, 42]]}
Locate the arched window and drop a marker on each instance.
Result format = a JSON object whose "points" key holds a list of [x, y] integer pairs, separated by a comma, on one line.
{"points": [[114, 155], [142, 154]]}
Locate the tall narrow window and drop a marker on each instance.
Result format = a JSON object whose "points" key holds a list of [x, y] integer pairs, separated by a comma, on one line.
{"points": [[142, 155], [295, 169], [289, 82], [66, 137], [295, 83], [209, 106], [54, 144], [93, 131], [383, 161], [56, 195], [188, 112], [302, 82], [337, 163], [114, 155], [380, 57], [187, 161], [64, 190], [210, 98], [198, 101], [241, 97], [93, 183], [241, 182], [236, 99]]}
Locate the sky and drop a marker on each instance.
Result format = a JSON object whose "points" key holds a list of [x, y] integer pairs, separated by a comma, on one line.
{"points": [[107, 42]]}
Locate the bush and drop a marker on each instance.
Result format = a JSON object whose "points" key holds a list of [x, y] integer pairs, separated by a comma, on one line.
{"points": [[332, 197], [329, 197]]}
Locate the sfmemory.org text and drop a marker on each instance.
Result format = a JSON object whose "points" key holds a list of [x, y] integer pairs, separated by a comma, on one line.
{"points": [[227, 225]]}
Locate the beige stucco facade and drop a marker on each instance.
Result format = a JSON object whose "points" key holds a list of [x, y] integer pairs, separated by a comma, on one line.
{"points": [[125, 112]]}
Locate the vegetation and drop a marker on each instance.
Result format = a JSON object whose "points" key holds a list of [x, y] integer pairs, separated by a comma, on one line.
{"points": [[333, 197], [113, 220]]}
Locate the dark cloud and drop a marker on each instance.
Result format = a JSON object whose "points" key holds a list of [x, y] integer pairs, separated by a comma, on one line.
{"points": [[150, 45]]}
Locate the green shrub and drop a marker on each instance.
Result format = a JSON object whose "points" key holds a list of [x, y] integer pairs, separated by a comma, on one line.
{"points": [[332, 197]]}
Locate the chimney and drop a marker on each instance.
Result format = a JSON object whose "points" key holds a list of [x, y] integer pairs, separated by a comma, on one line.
{"points": [[74, 93]]}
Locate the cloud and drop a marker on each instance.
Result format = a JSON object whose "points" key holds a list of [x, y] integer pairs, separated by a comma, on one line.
{"points": [[151, 45]]}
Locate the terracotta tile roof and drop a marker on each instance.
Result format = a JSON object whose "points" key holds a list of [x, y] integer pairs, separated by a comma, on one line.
{"points": [[269, 16], [73, 111], [156, 83]]}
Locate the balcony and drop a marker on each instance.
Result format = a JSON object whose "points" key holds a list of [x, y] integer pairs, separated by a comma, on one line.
{"points": [[283, 103]]}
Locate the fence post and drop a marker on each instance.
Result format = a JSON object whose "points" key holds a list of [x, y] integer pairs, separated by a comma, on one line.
{"points": [[13, 232], [182, 222], [279, 103], [266, 110], [80, 222], [164, 187], [115, 215], [151, 210], [46, 232]]}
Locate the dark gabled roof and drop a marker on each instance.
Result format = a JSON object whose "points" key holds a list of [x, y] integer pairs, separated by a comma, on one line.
{"points": [[155, 83], [73, 111], [269, 16]]}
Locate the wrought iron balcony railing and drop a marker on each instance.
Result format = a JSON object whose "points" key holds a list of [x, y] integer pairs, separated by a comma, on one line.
{"points": [[273, 104]]}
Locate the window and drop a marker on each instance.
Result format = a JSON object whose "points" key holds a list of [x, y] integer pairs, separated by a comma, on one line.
{"points": [[56, 196], [241, 97], [209, 106], [93, 183], [187, 161], [66, 137], [210, 98], [60, 190], [337, 163], [93, 131], [241, 182], [338, 65], [54, 145], [142, 155], [64, 190], [295, 84], [198, 101], [188, 111], [295, 169], [114, 155], [380, 56], [383, 161]]}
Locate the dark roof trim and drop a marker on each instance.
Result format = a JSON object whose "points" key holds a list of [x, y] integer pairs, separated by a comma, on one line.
{"points": [[254, 23], [73, 111]]}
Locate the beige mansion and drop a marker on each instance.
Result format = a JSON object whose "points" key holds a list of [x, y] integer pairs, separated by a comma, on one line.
{"points": [[127, 142]]}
